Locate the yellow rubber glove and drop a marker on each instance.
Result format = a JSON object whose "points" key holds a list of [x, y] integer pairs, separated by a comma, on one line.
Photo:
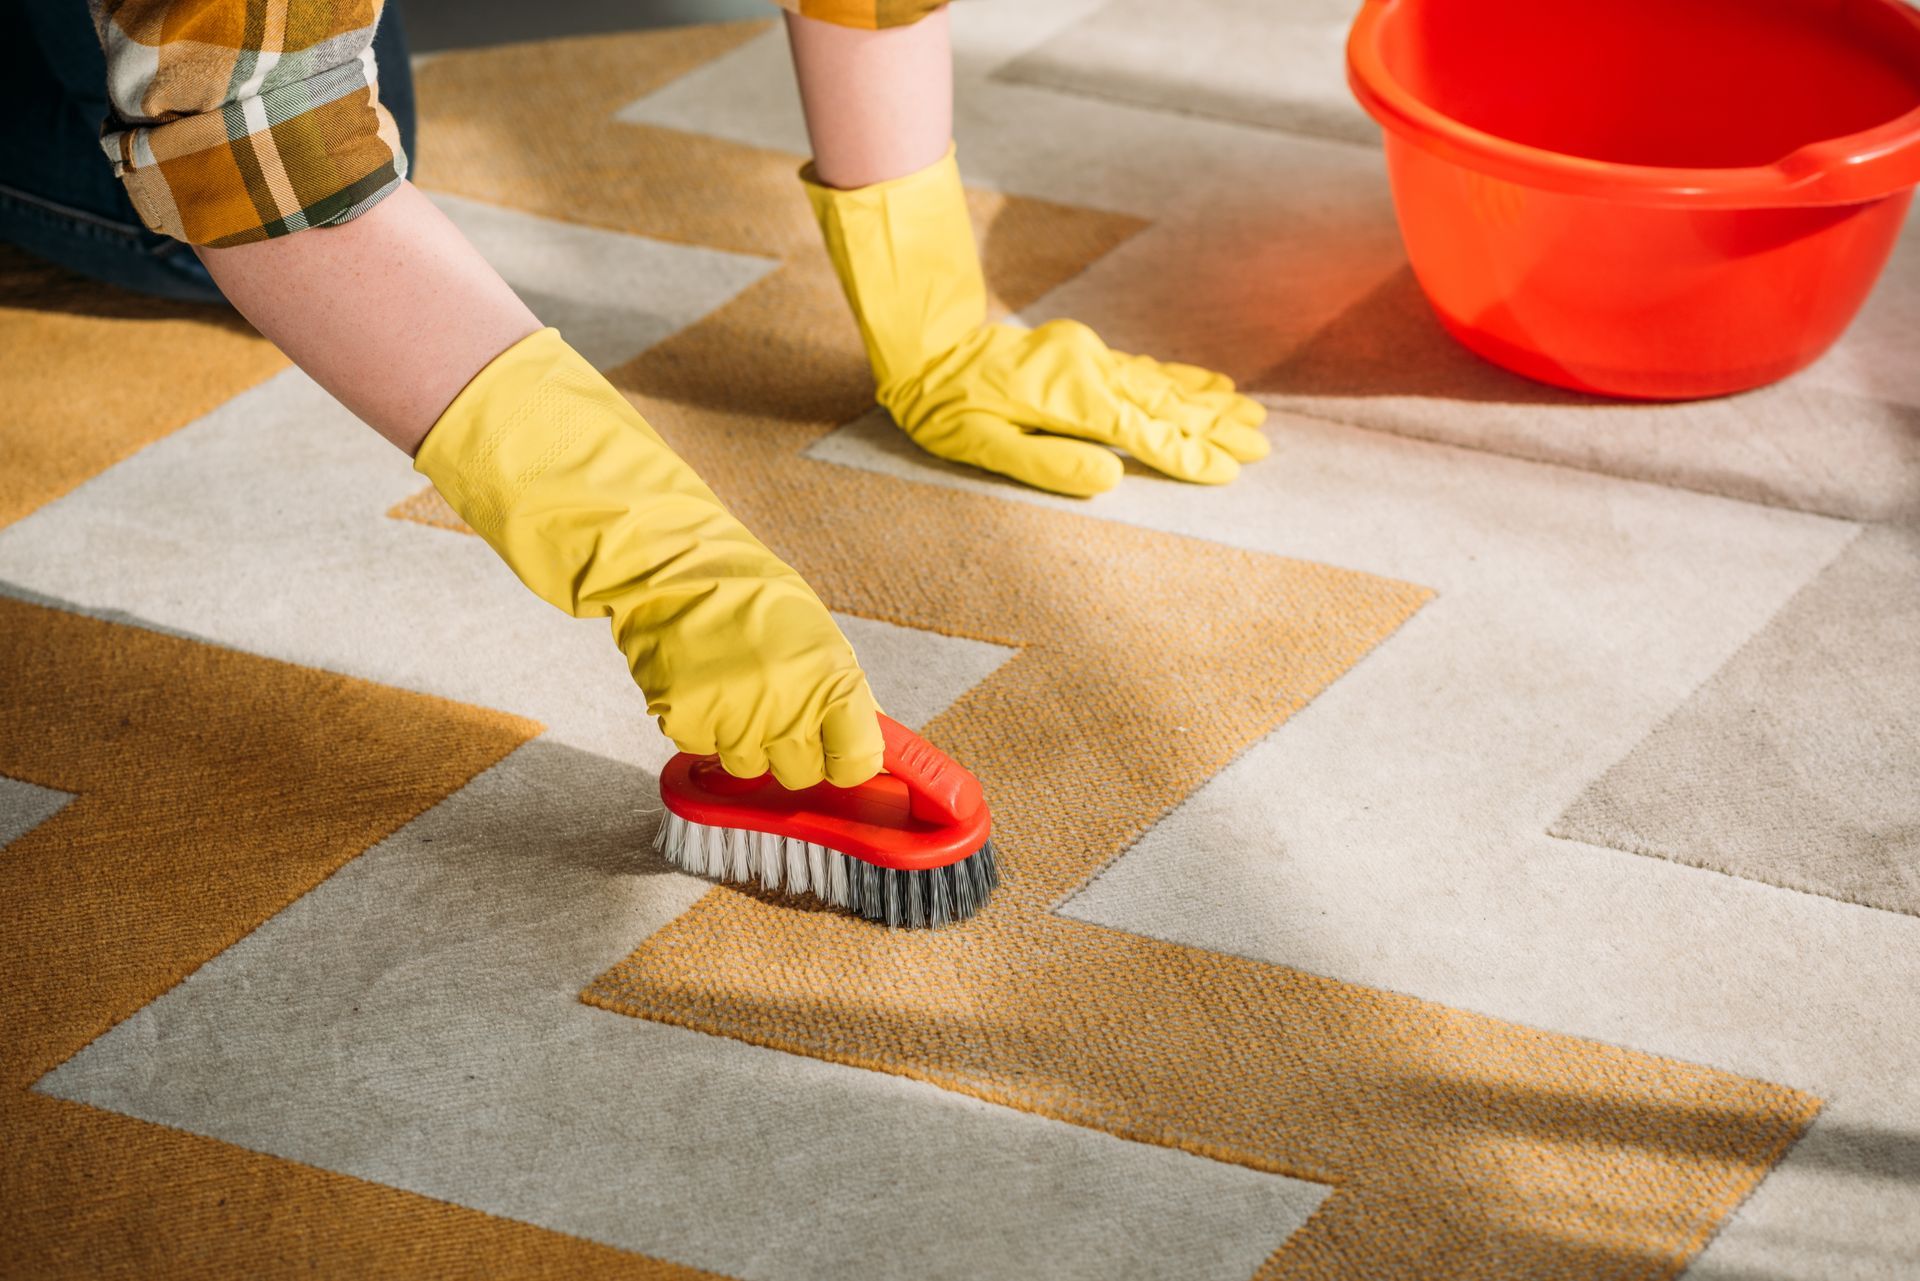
{"points": [[736, 655], [1040, 405]]}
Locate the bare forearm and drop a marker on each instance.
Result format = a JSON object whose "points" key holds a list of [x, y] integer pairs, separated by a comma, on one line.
{"points": [[393, 312], [879, 104]]}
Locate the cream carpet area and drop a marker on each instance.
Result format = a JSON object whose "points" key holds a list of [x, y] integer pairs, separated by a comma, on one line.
{"points": [[1548, 863]]}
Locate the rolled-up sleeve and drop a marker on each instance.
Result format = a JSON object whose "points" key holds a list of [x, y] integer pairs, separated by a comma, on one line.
{"points": [[241, 120], [870, 15]]}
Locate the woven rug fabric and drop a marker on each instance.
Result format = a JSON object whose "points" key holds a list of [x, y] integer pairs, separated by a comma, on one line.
{"points": [[1422, 861]]}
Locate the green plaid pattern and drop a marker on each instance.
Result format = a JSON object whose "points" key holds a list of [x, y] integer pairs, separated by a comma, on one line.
{"points": [[240, 120]]}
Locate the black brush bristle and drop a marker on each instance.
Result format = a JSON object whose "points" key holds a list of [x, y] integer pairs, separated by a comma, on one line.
{"points": [[928, 899]]}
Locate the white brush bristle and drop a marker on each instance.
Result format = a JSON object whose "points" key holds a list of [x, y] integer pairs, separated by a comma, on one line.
{"points": [[783, 864]]}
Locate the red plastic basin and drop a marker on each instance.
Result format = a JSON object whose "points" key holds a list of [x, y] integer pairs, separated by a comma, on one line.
{"points": [[1649, 198]]}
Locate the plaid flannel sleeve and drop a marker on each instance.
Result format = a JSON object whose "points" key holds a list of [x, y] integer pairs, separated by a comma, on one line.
{"points": [[871, 15], [240, 120]]}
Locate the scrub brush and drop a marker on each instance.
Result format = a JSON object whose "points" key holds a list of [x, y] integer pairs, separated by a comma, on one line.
{"points": [[910, 847]]}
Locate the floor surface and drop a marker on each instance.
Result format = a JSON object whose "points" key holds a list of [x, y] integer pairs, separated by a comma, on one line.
{"points": [[1477, 842]]}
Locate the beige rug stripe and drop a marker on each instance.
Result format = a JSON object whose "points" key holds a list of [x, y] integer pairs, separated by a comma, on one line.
{"points": [[1250, 61], [212, 789], [1805, 443], [85, 369], [1794, 764], [1459, 1145]]}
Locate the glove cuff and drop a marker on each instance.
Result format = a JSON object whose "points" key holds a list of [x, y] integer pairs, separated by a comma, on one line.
{"points": [[486, 447], [563, 478], [905, 255], [534, 405]]}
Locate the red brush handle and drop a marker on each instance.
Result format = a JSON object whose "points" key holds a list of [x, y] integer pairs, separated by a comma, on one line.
{"points": [[940, 788]]}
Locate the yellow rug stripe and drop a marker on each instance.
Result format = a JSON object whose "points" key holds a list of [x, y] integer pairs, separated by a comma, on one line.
{"points": [[93, 374], [1458, 1144]]}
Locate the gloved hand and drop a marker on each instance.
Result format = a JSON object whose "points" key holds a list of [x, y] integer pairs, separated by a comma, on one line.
{"points": [[736, 655], [1039, 405]]}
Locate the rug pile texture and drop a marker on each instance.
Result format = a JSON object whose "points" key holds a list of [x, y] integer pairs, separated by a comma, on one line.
{"points": [[1483, 841]]}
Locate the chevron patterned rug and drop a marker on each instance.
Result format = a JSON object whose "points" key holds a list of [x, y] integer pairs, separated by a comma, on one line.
{"points": [[1483, 841]]}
